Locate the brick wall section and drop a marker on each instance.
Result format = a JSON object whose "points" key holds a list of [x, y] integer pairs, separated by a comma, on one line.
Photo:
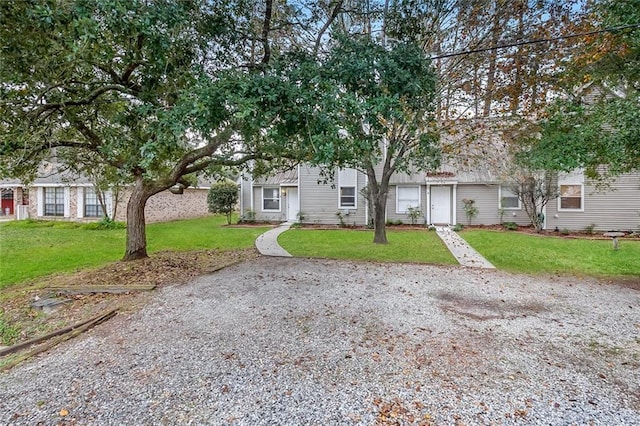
{"points": [[161, 207], [166, 206]]}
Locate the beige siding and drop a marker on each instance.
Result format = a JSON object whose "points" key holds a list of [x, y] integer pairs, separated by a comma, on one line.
{"points": [[616, 207], [487, 203]]}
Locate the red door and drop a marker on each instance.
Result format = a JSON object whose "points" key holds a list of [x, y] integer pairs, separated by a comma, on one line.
{"points": [[7, 201]]}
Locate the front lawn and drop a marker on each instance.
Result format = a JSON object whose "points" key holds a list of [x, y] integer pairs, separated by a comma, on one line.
{"points": [[517, 252], [404, 246], [30, 249]]}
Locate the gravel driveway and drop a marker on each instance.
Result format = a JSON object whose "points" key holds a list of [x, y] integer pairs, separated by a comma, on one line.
{"points": [[293, 341]]}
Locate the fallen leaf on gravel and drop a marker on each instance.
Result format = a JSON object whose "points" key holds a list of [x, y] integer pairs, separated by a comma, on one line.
{"points": [[64, 412]]}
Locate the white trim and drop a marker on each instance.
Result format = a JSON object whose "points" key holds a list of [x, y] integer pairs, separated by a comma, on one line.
{"points": [[67, 201], [40, 201], [581, 209], [108, 200], [427, 216], [352, 183], [575, 178], [454, 204], [277, 188], [500, 200], [398, 187], [80, 203]]}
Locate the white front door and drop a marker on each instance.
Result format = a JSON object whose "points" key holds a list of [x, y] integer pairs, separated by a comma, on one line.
{"points": [[292, 204], [441, 205]]}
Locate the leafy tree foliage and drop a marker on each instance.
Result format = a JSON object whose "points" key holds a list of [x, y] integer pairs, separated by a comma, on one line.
{"points": [[383, 103], [604, 128], [223, 198], [150, 90]]}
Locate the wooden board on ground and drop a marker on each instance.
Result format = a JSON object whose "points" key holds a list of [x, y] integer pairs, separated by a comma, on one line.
{"points": [[91, 289]]}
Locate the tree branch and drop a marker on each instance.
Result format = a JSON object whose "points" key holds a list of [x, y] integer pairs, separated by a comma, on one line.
{"points": [[86, 101], [265, 31], [334, 14]]}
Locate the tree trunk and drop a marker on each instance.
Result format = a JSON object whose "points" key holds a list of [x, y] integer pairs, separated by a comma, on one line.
{"points": [[379, 224], [136, 226]]}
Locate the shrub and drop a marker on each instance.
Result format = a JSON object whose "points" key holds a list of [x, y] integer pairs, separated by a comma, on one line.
{"points": [[470, 210], [458, 227], [511, 226], [589, 229], [104, 224], [249, 216], [222, 198], [414, 214]]}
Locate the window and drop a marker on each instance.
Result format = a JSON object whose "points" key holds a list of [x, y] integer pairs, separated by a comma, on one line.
{"points": [[271, 199], [347, 181], [571, 186], [509, 199], [92, 207], [54, 201], [407, 196], [571, 197]]}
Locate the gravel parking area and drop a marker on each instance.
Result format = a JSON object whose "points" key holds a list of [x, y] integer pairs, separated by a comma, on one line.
{"points": [[281, 341]]}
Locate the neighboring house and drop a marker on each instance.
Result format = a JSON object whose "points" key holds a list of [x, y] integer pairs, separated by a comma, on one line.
{"points": [[439, 197], [60, 196]]}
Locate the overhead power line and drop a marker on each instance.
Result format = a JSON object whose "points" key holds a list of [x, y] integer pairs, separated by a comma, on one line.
{"points": [[539, 40]]}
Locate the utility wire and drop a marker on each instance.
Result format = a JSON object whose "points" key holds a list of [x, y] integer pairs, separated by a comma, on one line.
{"points": [[540, 40]]}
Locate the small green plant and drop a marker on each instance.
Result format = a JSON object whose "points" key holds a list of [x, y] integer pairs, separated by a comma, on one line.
{"points": [[414, 214], [249, 216], [105, 223], [458, 227], [470, 210], [8, 333], [589, 229], [501, 212], [564, 231], [340, 217], [510, 226]]}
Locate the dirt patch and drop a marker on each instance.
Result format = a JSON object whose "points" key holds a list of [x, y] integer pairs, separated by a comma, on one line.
{"points": [[160, 269], [483, 310]]}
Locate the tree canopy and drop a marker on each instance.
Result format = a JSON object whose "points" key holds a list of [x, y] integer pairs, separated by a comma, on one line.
{"points": [[384, 105], [157, 91], [596, 126]]}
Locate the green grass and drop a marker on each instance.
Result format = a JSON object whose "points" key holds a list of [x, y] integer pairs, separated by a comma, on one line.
{"points": [[404, 246], [30, 249], [534, 254]]}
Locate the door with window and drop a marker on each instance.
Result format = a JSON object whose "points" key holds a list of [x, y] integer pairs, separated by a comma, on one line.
{"points": [[441, 205]]}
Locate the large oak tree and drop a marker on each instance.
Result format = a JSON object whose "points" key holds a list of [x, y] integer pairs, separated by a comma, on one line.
{"points": [[155, 91]]}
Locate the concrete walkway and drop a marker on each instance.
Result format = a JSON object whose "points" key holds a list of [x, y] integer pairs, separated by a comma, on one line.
{"points": [[462, 251], [267, 243]]}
